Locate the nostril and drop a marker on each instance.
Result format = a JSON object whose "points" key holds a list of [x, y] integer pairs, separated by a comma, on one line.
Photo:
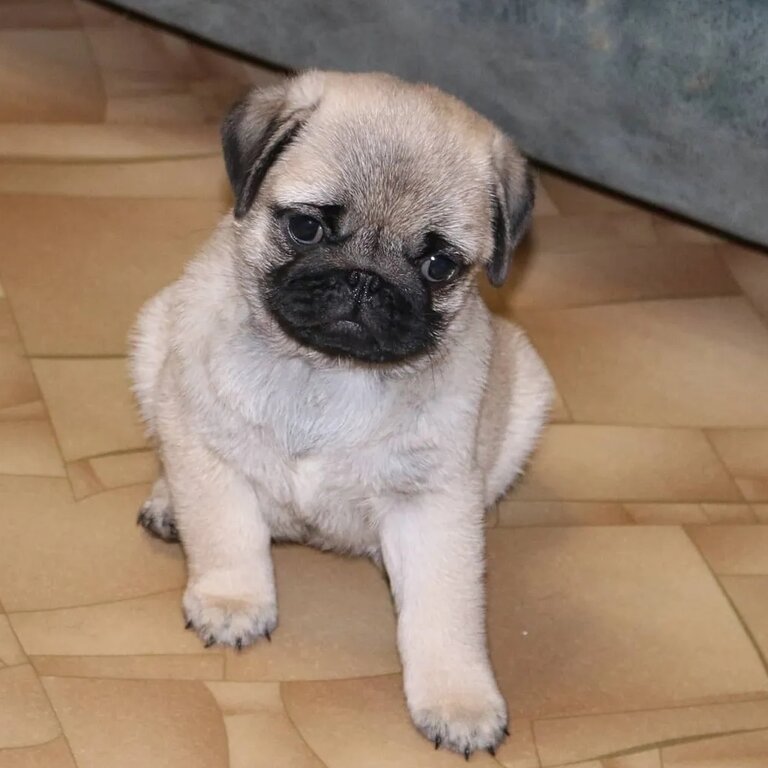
{"points": [[353, 277]]}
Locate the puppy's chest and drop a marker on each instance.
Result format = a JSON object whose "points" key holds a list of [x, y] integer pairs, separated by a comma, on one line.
{"points": [[324, 443]]}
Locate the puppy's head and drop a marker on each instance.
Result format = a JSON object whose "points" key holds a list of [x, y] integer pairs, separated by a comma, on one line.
{"points": [[364, 207]]}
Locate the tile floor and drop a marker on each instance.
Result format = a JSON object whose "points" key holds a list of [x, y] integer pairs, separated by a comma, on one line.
{"points": [[628, 572]]}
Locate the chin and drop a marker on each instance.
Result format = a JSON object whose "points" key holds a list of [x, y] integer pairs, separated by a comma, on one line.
{"points": [[351, 340]]}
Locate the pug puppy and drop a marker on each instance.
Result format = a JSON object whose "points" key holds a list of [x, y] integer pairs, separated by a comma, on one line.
{"points": [[325, 372]]}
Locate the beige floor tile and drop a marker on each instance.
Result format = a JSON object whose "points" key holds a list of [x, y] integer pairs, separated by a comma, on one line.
{"points": [[124, 629], [47, 75], [336, 620], [738, 550], [666, 514], [571, 197], [750, 268], [91, 406], [111, 723], [55, 552], [218, 94], [200, 178], [125, 469], [26, 717], [544, 205], [89, 476], [19, 393], [700, 362], [670, 230], [519, 748], [32, 411], [108, 141], [520, 513], [568, 234], [150, 110], [571, 739], [185, 55], [29, 448], [38, 14], [594, 620], [203, 666], [649, 759], [136, 59], [559, 413], [615, 272], [246, 698], [742, 750], [83, 479], [761, 512], [745, 453], [17, 382], [221, 68], [728, 514], [353, 723], [607, 463], [750, 596], [78, 293], [54, 754], [258, 729], [11, 652], [94, 15]]}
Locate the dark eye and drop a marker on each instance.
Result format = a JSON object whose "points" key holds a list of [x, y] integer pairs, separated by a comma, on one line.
{"points": [[439, 268], [305, 230]]}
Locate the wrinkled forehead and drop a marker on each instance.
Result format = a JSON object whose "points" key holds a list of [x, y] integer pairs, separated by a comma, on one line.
{"points": [[391, 168]]}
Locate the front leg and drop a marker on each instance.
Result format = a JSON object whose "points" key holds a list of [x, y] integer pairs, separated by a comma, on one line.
{"points": [[230, 596], [434, 553]]}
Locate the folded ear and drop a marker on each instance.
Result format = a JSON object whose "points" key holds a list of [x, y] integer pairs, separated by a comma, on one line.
{"points": [[513, 198], [257, 130]]}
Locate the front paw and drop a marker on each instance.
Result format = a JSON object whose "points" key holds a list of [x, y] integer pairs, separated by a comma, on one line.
{"points": [[464, 715], [237, 620]]}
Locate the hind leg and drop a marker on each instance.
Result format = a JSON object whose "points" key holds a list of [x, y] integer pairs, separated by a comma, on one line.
{"points": [[156, 515], [514, 410]]}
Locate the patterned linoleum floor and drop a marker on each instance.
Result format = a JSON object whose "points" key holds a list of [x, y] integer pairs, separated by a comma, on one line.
{"points": [[628, 573]]}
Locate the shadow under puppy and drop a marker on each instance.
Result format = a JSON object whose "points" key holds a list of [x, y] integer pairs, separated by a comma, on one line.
{"points": [[326, 372]]}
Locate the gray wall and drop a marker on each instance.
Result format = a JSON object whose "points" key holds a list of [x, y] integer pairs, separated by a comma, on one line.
{"points": [[665, 100]]}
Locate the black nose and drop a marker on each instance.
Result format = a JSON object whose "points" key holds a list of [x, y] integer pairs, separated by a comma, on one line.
{"points": [[367, 282]]}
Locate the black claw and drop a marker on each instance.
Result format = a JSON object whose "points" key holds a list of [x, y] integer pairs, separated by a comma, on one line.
{"points": [[506, 731], [492, 751], [239, 644], [267, 635], [467, 753], [438, 741], [209, 642], [188, 624]]}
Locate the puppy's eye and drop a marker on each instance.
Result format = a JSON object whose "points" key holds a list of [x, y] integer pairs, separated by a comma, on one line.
{"points": [[439, 268], [305, 230]]}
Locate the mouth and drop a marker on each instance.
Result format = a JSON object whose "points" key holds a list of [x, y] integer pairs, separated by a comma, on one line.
{"points": [[344, 339], [330, 313], [348, 326]]}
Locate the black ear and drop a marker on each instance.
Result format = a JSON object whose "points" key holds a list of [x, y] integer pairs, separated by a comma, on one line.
{"points": [[253, 135], [513, 199]]}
